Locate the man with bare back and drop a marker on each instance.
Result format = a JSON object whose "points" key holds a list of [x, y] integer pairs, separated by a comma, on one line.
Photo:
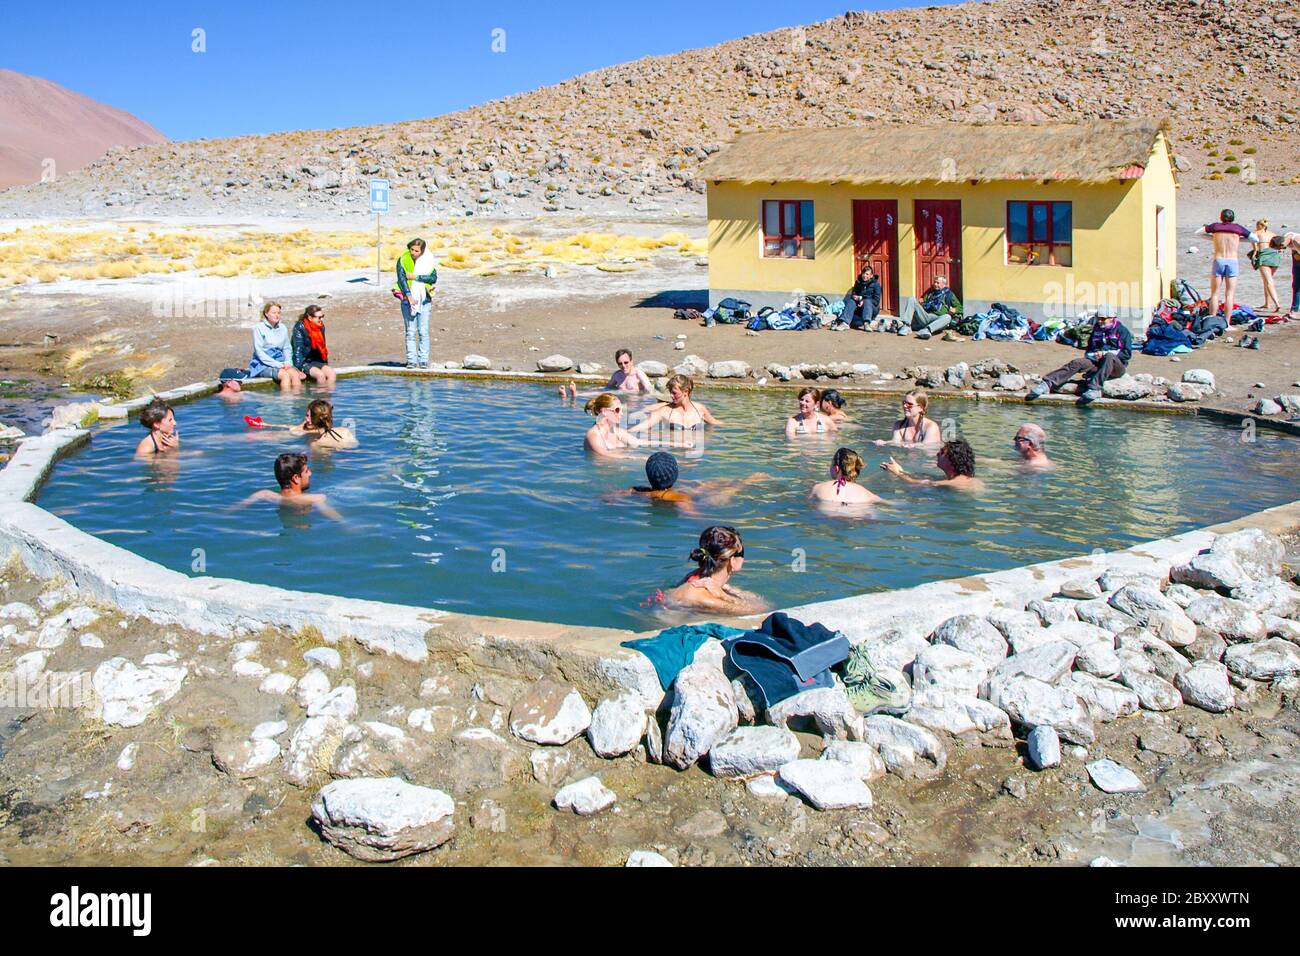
{"points": [[1226, 236]]}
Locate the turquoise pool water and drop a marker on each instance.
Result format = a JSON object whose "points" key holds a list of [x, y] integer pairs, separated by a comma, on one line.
{"points": [[479, 497]]}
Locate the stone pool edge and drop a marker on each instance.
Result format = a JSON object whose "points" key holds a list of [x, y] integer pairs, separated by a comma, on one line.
{"points": [[588, 656]]}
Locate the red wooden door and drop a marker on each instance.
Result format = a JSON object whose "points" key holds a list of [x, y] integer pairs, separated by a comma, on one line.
{"points": [[875, 241], [938, 243]]}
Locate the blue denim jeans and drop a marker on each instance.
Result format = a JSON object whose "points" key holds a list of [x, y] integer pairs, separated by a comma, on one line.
{"points": [[1295, 285], [417, 332]]}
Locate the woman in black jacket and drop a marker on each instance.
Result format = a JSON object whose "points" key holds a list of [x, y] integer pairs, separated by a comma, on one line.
{"points": [[310, 353], [862, 304]]}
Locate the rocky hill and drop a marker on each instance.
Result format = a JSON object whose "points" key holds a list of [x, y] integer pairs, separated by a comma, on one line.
{"points": [[43, 121], [627, 139]]}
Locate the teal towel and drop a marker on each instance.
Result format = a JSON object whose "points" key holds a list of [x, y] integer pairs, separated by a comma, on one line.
{"points": [[671, 650]]}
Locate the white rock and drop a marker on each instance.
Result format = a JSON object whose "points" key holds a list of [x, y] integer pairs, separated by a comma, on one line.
{"points": [[341, 702], [1234, 620], [30, 665], [1080, 634], [1283, 627], [1106, 700], [959, 714], [1153, 610], [1153, 692], [752, 750], [247, 668], [646, 858], [169, 657], [1211, 570], [550, 765], [1110, 777], [312, 747], [946, 668], [1052, 611], [126, 694], [585, 797], [895, 650], [557, 363], [766, 786], [550, 713], [18, 611], [52, 634], [826, 784], [326, 657], [861, 756], [477, 362], [243, 650], [1265, 660], [703, 712], [1047, 663], [827, 707], [974, 635], [653, 369], [617, 725], [383, 819], [1181, 594], [1269, 596], [1137, 646], [1033, 703], [1206, 685], [245, 758], [1098, 659], [1100, 613], [908, 750], [313, 684], [52, 598], [1044, 748], [1257, 552], [729, 369], [269, 730], [277, 683], [126, 759], [1081, 589]]}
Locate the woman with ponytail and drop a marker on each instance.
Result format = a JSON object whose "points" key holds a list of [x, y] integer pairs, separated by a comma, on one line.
{"points": [[719, 556], [843, 487]]}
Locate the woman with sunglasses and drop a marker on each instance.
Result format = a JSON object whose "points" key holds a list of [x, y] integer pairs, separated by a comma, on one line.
{"points": [[720, 555], [608, 438], [628, 378], [914, 430], [310, 353]]}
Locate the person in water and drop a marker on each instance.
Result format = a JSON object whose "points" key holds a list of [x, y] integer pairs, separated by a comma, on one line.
{"points": [[627, 378], [272, 353], [680, 412], [293, 475], [1031, 445], [662, 472], [719, 557], [842, 488], [319, 427], [831, 404], [608, 437], [809, 420], [956, 459], [914, 428], [159, 418], [310, 353]]}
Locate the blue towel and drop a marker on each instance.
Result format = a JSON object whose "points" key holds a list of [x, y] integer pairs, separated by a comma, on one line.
{"points": [[786, 657], [671, 650]]}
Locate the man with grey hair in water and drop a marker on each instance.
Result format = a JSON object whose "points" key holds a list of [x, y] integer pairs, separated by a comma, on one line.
{"points": [[1031, 444]]}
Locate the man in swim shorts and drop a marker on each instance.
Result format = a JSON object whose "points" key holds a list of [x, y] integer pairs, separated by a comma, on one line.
{"points": [[1226, 236]]}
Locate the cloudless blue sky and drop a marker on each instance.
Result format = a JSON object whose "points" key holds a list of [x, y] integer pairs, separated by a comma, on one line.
{"points": [[275, 66]]}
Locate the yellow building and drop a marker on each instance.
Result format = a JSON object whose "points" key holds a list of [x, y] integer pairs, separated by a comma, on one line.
{"points": [[1052, 218]]}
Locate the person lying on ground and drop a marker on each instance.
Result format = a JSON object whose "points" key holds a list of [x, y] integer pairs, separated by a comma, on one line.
{"points": [[1106, 356], [956, 459], [914, 429], [1031, 445], [809, 420], [293, 475], [843, 487], [680, 412], [862, 303], [628, 377], [937, 310], [310, 353], [719, 556], [831, 404], [272, 353], [1225, 235], [160, 419], [608, 438]]}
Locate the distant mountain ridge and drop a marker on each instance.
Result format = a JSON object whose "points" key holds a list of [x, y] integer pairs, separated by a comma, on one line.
{"points": [[41, 120]]}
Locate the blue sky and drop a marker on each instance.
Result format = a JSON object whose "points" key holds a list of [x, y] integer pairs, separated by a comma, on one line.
{"points": [[275, 66]]}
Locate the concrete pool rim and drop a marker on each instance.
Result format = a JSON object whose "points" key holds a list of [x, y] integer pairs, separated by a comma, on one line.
{"points": [[586, 655]]}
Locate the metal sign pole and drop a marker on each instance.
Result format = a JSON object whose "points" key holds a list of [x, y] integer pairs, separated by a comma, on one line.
{"points": [[378, 254]]}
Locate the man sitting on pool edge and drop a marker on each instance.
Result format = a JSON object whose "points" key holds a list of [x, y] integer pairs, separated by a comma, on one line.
{"points": [[1106, 356], [293, 475]]}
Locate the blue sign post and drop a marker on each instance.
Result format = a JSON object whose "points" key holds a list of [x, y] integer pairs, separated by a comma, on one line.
{"points": [[378, 204]]}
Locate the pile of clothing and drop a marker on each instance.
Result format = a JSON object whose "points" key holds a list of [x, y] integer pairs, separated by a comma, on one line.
{"points": [[730, 311], [806, 312], [1176, 328], [1002, 323]]}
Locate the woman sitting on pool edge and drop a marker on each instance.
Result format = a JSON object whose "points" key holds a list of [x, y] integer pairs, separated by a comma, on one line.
{"points": [[956, 459], [809, 419], [160, 419], [310, 353], [680, 412], [608, 436], [843, 487], [721, 554], [914, 429]]}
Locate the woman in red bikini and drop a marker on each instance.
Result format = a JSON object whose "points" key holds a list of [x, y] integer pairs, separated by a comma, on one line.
{"points": [[720, 555]]}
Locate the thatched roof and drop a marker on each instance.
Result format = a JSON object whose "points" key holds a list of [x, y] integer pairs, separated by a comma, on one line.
{"points": [[1094, 152]]}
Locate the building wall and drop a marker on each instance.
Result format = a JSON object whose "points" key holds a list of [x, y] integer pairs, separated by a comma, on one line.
{"points": [[1113, 236]]}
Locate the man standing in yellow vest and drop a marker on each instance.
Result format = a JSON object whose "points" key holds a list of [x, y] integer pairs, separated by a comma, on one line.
{"points": [[417, 271]]}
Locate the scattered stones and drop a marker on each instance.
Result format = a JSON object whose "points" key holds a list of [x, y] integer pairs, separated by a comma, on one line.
{"points": [[341, 703], [1043, 748], [826, 784], [1100, 613], [250, 668], [1110, 777], [1265, 660], [126, 759], [550, 713], [313, 684], [861, 756], [383, 819], [646, 858], [942, 667], [907, 750], [550, 765], [126, 694], [585, 797], [18, 611], [372, 749], [311, 748], [617, 725], [1186, 392], [278, 683], [752, 750]]}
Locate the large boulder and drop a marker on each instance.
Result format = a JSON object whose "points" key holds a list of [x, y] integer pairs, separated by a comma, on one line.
{"points": [[752, 750], [383, 819], [861, 756], [703, 712], [1269, 596], [1264, 660], [908, 750], [1233, 619], [974, 635], [827, 784], [942, 667], [826, 708], [125, 694], [1153, 692], [1206, 685], [555, 363], [550, 713], [960, 715], [1215, 571], [653, 369], [1153, 610], [1106, 700], [1257, 552], [1047, 663], [1127, 387], [729, 369], [617, 724], [1098, 659], [1032, 703]]}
